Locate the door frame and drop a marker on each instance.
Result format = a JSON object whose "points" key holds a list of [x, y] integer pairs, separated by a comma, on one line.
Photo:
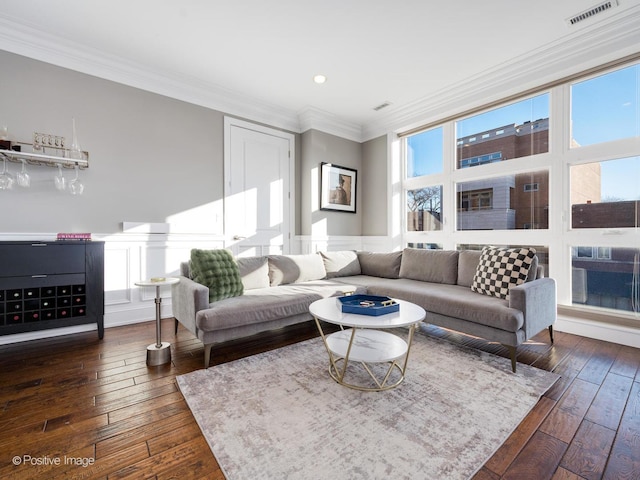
{"points": [[235, 122]]}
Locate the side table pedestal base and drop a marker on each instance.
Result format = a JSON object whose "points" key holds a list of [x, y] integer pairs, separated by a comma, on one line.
{"points": [[158, 355]]}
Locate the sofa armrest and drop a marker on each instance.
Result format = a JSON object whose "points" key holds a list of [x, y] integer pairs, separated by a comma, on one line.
{"points": [[187, 299], [537, 302]]}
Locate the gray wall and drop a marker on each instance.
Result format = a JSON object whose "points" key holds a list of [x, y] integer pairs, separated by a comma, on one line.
{"points": [[375, 187], [151, 157], [318, 147], [154, 159]]}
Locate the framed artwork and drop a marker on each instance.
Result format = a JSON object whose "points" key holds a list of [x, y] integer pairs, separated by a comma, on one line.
{"points": [[337, 188]]}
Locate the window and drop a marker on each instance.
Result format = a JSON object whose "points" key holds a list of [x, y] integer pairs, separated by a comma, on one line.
{"points": [[426, 246], [504, 203], [606, 194], [604, 253], [583, 252], [505, 186], [481, 160], [424, 153], [605, 277], [606, 108], [517, 130], [424, 209], [476, 200]]}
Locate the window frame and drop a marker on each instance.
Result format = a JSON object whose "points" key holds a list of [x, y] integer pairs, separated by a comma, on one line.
{"points": [[559, 238]]}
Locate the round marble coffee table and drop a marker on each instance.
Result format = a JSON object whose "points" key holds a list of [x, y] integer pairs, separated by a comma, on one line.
{"points": [[367, 342]]}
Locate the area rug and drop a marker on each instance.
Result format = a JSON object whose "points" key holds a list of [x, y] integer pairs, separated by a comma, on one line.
{"points": [[279, 415]]}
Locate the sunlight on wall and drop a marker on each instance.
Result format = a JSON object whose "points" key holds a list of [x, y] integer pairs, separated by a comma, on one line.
{"points": [[276, 192], [117, 280], [319, 228], [242, 211], [207, 218]]}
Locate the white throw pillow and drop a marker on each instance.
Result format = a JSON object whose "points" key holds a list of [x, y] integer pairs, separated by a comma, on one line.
{"points": [[285, 269], [254, 272]]}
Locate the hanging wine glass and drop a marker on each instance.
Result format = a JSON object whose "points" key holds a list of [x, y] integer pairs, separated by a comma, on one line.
{"points": [[60, 180], [76, 187], [22, 177], [6, 179], [76, 149]]}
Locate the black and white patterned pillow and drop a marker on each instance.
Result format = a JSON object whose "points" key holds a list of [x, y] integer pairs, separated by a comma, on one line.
{"points": [[501, 268]]}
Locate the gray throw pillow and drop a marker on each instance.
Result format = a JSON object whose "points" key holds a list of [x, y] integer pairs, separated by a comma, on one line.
{"points": [[341, 264], [384, 265], [435, 266]]}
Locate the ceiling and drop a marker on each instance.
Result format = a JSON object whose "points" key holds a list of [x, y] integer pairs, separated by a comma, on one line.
{"points": [[257, 58]]}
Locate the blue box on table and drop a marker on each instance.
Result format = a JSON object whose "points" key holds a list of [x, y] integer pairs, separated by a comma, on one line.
{"points": [[373, 305]]}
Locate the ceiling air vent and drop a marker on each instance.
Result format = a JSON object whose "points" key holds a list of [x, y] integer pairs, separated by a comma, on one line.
{"points": [[381, 106], [602, 7]]}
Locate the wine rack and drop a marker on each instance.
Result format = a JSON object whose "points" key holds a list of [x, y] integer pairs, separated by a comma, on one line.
{"points": [[51, 284]]}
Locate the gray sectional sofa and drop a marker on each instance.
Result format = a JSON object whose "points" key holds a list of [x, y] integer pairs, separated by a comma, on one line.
{"points": [[278, 290]]}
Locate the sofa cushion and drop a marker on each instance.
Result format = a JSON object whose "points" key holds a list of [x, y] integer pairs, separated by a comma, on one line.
{"points": [[217, 270], [341, 264], [467, 266], [268, 304], [501, 268], [452, 301], [285, 269], [436, 266], [254, 272], [385, 265]]}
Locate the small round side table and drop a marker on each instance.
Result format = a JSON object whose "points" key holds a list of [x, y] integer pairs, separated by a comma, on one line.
{"points": [[158, 353]]}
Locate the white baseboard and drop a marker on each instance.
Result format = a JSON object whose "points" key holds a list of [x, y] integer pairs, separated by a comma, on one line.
{"points": [[598, 330], [41, 334]]}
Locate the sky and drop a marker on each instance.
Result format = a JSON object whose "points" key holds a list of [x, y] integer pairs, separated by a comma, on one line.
{"points": [[604, 108]]}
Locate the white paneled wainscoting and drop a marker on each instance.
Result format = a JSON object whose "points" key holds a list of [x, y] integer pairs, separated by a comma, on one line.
{"points": [[128, 258], [132, 257]]}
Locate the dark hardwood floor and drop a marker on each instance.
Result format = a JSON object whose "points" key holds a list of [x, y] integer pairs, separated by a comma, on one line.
{"points": [[79, 407]]}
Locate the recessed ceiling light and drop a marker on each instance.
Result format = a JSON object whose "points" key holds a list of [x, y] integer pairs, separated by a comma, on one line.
{"points": [[319, 79]]}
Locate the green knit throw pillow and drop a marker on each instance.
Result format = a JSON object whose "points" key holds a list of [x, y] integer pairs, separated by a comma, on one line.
{"points": [[217, 270]]}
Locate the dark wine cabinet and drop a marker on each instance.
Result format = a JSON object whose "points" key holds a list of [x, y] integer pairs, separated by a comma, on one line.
{"points": [[47, 285]]}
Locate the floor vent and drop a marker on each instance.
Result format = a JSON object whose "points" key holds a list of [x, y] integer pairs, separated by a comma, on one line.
{"points": [[381, 106], [602, 7]]}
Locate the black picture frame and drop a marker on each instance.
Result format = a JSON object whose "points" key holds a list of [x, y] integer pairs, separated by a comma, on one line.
{"points": [[338, 187]]}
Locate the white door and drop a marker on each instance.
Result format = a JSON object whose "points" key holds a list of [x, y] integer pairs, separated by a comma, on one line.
{"points": [[258, 173]]}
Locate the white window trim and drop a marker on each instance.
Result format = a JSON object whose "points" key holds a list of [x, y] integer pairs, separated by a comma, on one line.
{"points": [[559, 237]]}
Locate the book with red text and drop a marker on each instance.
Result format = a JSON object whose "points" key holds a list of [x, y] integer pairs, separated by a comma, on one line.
{"points": [[73, 236]]}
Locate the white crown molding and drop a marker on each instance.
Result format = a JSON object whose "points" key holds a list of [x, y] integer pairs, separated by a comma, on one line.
{"points": [[27, 41], [316, 119], [608, 40]]}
